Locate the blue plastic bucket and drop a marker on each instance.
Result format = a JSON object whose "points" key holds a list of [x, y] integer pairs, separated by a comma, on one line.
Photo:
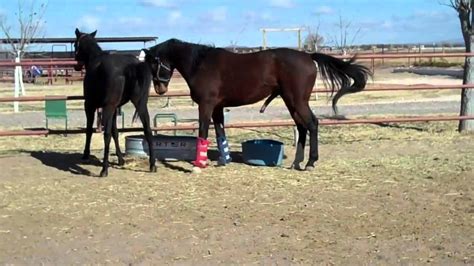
{"points": [[262, 152]]}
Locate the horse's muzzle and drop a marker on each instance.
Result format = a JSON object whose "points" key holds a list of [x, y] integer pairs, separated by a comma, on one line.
{"points": [[160, 88], [79, 66]]}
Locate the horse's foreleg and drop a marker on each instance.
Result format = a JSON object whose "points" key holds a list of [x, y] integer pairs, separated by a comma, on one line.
{"points": [[115, 136], [90, 112], [222, 144], [202, 142], [145, 118], [204, 121], [107, 120]]}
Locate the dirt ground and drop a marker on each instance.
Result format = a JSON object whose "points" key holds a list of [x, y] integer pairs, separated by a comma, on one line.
{"points": [[381, 194], [392, 194]]}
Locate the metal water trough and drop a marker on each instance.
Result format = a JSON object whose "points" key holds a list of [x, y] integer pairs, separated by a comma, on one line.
{"points": [[166, 148]]}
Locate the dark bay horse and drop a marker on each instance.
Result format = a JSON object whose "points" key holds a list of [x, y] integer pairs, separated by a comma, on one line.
{"points": [[111, 80], [218, 78]]}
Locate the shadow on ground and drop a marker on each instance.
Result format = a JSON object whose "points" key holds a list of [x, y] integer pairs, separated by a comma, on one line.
{"points": [[71, 162], [68, 162]]}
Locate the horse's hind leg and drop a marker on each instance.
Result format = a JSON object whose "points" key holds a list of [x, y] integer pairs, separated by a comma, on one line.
{"points": [[90, 111], [107, 118], [311, 123], [299, 156], [305, 120], [222, 144], [313, 142], [115, 136], [302, 130]]}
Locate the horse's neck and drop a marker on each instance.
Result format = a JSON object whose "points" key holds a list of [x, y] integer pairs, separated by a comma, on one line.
{"points": [[183, 60], [94, 53]]}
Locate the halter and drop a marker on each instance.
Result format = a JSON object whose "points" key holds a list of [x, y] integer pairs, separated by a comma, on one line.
{"points": [[157, 75], [78, 42]]}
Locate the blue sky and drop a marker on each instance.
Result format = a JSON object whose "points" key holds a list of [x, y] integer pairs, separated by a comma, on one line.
{"points": [[224, 22]]}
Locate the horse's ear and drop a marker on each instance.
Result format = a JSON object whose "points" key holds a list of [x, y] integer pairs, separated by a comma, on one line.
{"points": [[78, 33], [93, 34]]}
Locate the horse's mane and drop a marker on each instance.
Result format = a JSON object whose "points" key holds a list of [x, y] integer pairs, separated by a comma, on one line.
{"points": [[198, 51], [92, 43]]}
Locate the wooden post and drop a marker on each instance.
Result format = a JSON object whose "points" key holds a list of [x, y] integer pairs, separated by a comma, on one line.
{"points": [[299, 39], [383, 52], [373, 61], [409, 51], [265, 30]]}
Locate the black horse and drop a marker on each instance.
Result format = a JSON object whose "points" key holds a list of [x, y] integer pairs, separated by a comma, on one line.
{"points": [[111, 80], [218, 78]]}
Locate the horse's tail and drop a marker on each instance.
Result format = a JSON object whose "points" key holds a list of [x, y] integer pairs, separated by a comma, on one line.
{"points": [[338, 73], [135, 117], [144, 77]]}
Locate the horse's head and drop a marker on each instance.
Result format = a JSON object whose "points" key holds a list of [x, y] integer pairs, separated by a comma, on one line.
{"points": [[161, 71], [82, 46]]}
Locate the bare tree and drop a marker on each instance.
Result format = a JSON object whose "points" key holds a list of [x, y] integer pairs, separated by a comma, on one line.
{"points": [[466, 18], [233, 46], [313, 40], [29, 21], [346, 36], [233, 43]]}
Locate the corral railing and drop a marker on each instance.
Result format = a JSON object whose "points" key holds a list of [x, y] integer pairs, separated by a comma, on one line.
{"points": [[63, 64], [285, 123], [52, 67], [186, 93], [261, 124]]}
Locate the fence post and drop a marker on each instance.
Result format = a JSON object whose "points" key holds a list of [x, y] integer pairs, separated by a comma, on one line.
{"points": [[373, 61], [383, 52]]}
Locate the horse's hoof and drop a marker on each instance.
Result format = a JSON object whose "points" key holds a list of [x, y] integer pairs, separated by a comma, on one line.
{"points": [[104, 173], [296, 166], [121, 161], [153, 168], [309, 168], [223, 161], [196, 170]]}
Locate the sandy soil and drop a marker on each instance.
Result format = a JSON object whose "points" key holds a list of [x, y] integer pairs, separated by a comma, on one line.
{"points": [[384, 195], [380, 195]]}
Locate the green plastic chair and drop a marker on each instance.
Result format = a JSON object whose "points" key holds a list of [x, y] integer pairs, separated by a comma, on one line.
{"points": [[55, 109]]}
